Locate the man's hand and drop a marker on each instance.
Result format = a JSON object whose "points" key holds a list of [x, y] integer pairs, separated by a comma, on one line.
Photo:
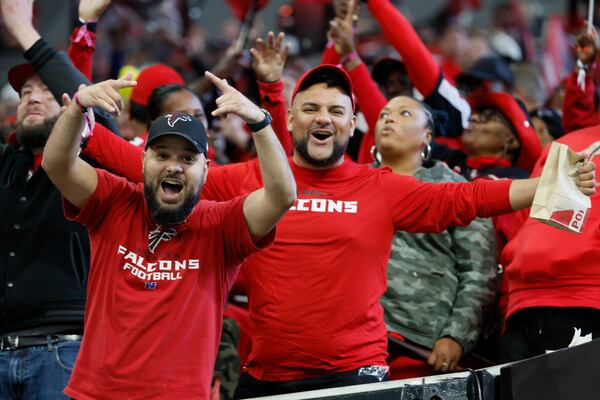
{"points": [[18, 20], [232, 101], [227, 66], [445, 355], [586, 177], [91, 10], [268, 59], [104, 94], [341, 32]]}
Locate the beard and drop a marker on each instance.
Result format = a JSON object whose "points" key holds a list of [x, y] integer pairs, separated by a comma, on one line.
{"points": [[35, 136], [301, 146], [169, 216]]}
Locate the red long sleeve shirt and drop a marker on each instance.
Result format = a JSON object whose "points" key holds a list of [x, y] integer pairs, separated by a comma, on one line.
{"points": [[579, 106], [549, 267], [273, 100], [371, 101]]}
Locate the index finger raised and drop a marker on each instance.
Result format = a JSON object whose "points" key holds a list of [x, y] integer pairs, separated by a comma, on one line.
{"points": [[218, 82], [124, 82]]}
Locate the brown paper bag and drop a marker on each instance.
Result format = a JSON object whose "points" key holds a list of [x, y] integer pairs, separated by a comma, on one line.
{"points": [[558, 201]]}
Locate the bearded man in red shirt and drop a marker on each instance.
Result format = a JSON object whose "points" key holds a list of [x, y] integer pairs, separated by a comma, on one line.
{"points": [[162, 261]]}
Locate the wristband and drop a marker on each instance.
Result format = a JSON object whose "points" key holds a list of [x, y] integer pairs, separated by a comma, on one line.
{"points": [[89, 124], [350, 57], [262, 124], [84, 32], [90, 23], [76, 100]]}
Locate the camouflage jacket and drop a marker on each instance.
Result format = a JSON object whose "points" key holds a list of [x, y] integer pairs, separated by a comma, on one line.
{"points": [[441, 284], [227, 365]]}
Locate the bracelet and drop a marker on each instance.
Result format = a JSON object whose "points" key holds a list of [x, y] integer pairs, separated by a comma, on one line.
{"points": [[89, 125], [89, 24], [262, 124], [350, 57], [76, 100]]}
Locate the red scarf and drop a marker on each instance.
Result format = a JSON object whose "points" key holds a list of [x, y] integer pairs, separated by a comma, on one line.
{"points": [[37, 162], [485, 162]]}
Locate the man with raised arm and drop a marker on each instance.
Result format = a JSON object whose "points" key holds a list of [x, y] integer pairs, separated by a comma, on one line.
{"points": [[162, 261]]}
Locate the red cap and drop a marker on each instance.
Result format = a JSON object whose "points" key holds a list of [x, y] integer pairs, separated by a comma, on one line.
{"points": [[326, 68], [18, 75], [152, 77], [531, 147]]}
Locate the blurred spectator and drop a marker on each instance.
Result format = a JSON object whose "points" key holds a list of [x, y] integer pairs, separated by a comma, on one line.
{"points": [[488, 74], [547, 124], [529, 85], [392, 77], [552, 275], [149, 79]]}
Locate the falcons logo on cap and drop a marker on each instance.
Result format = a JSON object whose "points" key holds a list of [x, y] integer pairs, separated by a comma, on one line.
{"points": [[156, 236], [174, 117]]}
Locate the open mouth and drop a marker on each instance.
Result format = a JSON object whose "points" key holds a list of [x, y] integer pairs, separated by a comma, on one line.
{"points": [[321, 135], [171, 186]]}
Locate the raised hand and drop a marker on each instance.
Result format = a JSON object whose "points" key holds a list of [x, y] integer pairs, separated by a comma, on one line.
{"points": [[341, 31], [232, 101], [229, 63], [91, 10], [104, 94], [268, 59], [18, 16]]}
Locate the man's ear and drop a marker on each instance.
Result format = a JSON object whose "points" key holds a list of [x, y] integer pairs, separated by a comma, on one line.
{"points": [[206, 169], [353, 125], [289, 119]]}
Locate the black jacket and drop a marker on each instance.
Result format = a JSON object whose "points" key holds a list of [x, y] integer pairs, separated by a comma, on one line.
{"points": [[60, 75], [44, 259]]}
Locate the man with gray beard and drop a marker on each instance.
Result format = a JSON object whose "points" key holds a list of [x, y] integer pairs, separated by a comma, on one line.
{"points": [[44, 258]]}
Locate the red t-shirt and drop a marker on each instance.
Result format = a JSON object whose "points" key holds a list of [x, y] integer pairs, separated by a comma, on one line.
{"points": [[154, 307], [314, 295]]}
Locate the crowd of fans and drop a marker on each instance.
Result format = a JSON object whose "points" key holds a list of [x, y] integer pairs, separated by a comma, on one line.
{"points": [[461, 281]]}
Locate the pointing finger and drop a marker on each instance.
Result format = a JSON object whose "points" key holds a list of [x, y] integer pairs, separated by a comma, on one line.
{"points": [[218, 82]]}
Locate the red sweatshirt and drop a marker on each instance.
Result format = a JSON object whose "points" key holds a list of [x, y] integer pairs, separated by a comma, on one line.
{"points": [[549, 267], [579, 106], [273, 100], [371, 101]]}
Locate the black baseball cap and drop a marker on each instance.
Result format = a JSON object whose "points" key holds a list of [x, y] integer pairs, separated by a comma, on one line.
{"points": [[180, 124], [384, 66], [489, 68]]}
